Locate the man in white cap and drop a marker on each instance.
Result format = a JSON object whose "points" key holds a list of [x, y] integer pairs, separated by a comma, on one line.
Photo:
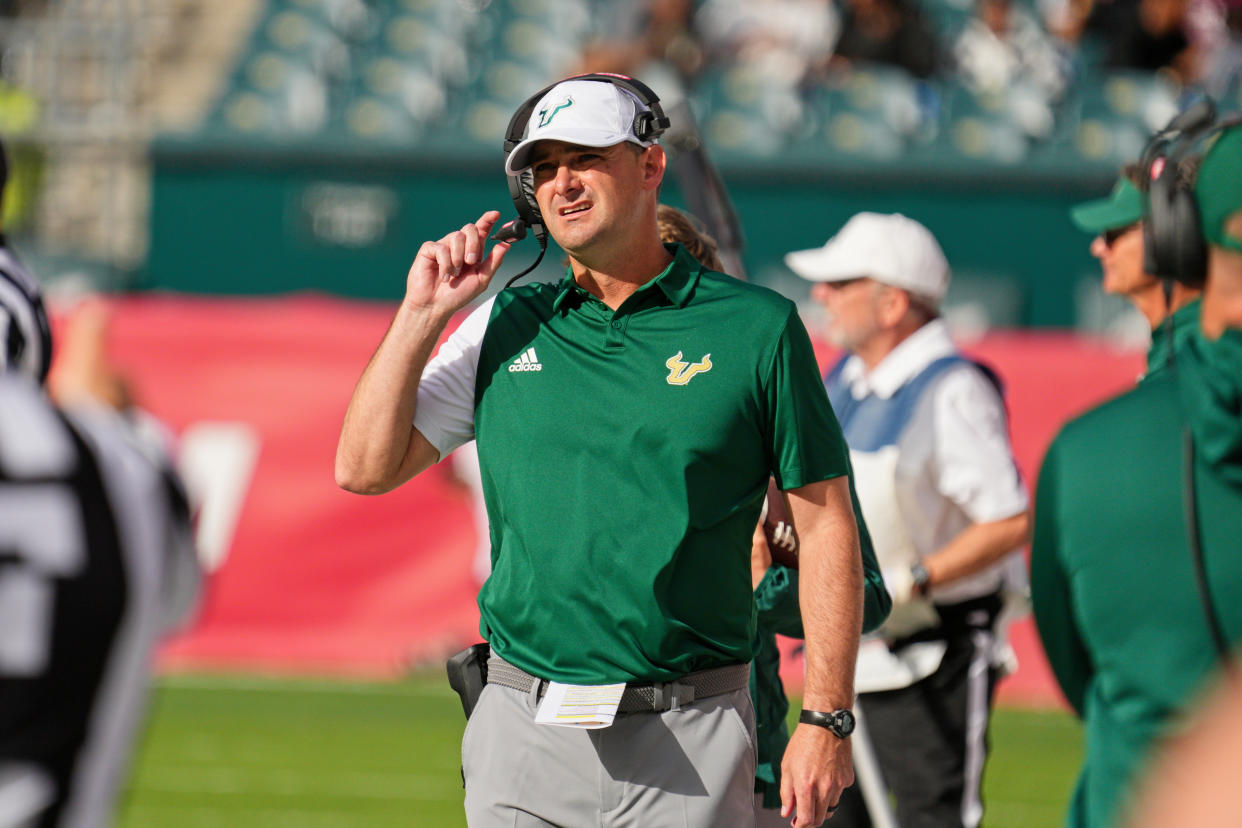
{"points": [[942, 496], [627, 420]]}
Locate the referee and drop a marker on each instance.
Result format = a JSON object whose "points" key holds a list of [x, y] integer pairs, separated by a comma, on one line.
{"points": [[96, 561]]}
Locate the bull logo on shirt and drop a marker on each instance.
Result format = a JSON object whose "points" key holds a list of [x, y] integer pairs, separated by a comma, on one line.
{"points": [[680, 372]]}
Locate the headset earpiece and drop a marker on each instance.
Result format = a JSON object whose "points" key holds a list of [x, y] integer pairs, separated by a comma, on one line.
{"points": [[1173, 241], [522, 192], [1174, 247]]}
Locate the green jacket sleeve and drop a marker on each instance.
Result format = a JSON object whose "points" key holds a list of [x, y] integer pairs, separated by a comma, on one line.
{"points": [[1050, 590], [776, 599]]}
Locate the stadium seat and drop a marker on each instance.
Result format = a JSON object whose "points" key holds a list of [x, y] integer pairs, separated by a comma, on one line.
{"points": [[453, 70], [982, 127], [743, 109], [1113, 114]]}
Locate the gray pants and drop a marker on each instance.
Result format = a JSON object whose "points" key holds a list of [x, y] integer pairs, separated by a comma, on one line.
{"points": [[687, 768]]}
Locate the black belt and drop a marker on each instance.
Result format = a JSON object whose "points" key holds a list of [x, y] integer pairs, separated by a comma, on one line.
{"points": [[637, 698], [956, 620]]}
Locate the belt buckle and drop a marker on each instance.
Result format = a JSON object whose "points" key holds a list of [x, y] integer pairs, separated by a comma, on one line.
{"points": [[670, 695]]}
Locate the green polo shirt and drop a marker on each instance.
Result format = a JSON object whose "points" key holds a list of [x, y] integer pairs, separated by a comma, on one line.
{"points": [[625, 456]]}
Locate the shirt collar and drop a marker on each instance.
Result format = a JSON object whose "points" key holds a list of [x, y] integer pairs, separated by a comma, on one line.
{"points": [[677, 281], [902, 364]]}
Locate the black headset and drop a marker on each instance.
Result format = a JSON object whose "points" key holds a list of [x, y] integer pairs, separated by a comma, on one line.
{"points": [[1173, 244], [648, 125]]}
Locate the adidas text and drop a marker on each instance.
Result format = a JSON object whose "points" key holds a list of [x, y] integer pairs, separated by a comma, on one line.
{"points": [[526, 362]]}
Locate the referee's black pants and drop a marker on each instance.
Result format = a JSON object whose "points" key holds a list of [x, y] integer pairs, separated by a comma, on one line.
{"points": [[931, 738]]}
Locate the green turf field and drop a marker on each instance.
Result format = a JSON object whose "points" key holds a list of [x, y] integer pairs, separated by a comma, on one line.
{"points": [[249, 752]]}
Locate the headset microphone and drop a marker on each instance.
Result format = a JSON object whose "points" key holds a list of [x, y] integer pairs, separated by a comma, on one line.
{"points": [[510, 231]]}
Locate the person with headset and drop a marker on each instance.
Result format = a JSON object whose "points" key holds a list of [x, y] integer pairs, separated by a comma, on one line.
{"points": [[1136, 580], [945, 506], [627, 421], [1116, 223]]}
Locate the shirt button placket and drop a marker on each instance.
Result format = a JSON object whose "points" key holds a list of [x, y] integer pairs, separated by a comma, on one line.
{"points": [[615, 336]]}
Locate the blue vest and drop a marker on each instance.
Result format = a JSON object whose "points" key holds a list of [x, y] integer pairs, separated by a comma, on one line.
{"points": [[871, 423]]}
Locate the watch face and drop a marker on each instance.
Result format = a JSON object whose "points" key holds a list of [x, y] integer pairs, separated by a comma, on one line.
{"points": [[845, 722]]}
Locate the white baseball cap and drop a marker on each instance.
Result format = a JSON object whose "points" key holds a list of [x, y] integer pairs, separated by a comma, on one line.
{"points": [[891, 249], [590, 113]]}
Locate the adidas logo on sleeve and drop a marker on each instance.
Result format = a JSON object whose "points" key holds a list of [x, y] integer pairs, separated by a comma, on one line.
{"points": [[526, 362]]}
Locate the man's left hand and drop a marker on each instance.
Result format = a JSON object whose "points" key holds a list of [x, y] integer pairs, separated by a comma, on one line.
{"points": [[817, 767]]}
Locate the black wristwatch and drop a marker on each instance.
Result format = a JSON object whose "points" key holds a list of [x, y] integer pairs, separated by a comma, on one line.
{"points": [[840, 722]]}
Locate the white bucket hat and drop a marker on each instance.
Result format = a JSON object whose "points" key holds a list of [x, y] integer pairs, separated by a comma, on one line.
{"points": [[590, 113], [891, 249]]}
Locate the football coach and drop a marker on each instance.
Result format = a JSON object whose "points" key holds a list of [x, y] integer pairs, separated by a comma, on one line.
{"points": [[627, 420]]}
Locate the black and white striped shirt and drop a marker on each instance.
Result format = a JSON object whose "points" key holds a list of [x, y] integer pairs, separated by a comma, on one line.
{"points": [[25, 335], [96, 561]]}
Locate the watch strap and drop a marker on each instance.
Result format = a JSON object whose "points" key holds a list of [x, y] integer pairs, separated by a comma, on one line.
{"points": [[840, 722]]}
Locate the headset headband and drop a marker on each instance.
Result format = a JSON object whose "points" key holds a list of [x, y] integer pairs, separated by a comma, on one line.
{"points": [[1179, 135]]}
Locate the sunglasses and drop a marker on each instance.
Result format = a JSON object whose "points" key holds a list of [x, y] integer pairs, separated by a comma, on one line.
{"points": [[838, 284], [1110, 236]]}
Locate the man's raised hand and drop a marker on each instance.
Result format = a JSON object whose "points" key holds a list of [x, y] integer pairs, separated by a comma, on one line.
{"points": [[449, 273]]}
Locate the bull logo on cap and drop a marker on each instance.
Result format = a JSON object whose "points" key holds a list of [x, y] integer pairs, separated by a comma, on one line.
{"points": [[546, 115]]}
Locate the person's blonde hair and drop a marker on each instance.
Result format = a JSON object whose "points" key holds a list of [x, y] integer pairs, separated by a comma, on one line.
{"points": [[676, 226]]}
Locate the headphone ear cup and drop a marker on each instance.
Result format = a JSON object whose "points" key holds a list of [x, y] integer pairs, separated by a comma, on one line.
{"points": [[1151, 244], [1160, 232], [1173, 245], [522, 191], [1190, 250], [532, 215]]}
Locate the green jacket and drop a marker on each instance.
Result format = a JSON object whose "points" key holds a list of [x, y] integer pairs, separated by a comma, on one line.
{"points": [[779, 614], [1112, 579], [1170, 336]]}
